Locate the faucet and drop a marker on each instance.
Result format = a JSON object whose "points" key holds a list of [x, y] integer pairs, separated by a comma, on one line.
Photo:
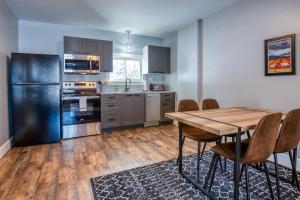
{"points": [[127, 87]]}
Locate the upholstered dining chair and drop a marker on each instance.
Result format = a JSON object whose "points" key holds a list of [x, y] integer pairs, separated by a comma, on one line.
{"points": [[208, 104], [287, 141], [254, 150], [195, 134]]}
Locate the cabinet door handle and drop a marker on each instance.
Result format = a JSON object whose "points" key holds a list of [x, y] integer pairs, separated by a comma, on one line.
{"points": [[111, 97], [164, 104], [111, 119], [168, 100], [128, 95], [137, 95], [111, 106]]}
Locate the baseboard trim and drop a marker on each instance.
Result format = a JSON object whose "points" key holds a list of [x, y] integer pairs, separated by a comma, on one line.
{"points": [[5, 147]]}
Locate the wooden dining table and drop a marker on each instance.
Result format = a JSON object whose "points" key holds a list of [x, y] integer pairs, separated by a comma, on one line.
{"points": [[222, 122]]}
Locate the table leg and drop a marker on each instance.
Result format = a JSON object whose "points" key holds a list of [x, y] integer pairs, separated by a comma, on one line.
{"points": [[180, 140], [237, 165]]}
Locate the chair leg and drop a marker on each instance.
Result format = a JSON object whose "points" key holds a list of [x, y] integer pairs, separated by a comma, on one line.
{"points": [[247, 181], [214, 173], [221, 166], [212, 164], [248, 134], [225, 160], [203, 151], [198, 159], [277, 178], [294, 170], [242, 170], [183, 138], [268, 179], [260, 165]]}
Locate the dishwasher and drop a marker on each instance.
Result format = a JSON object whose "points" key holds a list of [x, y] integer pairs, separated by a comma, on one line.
{"points": [[152, 109]]}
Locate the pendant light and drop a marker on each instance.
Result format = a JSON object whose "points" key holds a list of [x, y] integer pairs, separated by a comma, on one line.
{"points": [[128, 45]]}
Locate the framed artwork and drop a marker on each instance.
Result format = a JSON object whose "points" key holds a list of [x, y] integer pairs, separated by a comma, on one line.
{"points": [[280, 56]]}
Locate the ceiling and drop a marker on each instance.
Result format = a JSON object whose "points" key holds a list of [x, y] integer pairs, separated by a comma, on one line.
{"points": [[145, 17]]}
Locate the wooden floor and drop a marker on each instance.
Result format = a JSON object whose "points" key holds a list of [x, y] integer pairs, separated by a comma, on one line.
{"points": [[63, 170]]}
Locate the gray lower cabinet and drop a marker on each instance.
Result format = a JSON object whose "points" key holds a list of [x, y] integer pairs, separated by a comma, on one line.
{"points": [[167, 104], [133, 109], [111, 110]]}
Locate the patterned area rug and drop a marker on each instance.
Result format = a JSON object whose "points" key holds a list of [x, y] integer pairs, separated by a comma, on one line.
{"points": [[162, 181]]}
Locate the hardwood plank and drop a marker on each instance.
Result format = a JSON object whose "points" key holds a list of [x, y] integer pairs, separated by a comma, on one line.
{"points": [[63, 170]]}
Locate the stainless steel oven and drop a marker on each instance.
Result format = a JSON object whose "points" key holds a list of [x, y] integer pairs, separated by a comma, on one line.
{"points": [[81, 64], [81, 109]]}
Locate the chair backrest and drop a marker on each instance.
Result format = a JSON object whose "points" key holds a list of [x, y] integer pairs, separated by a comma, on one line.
{"points": [[289, 134], [187, 105], [263, 141], [210, 104]]}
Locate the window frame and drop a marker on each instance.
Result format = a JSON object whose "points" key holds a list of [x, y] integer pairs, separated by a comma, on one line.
{"points": [[126, 59]]}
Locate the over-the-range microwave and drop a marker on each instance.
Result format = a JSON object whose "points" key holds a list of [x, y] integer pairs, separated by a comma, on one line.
{"points": [[81, 64]]}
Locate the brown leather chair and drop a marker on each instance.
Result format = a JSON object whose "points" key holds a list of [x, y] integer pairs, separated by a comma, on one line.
{"points": [[208, 104], [195, 134], [287, 141], [255, 150]]}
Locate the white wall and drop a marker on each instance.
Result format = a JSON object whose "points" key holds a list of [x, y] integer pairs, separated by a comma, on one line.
{"points": [[233, 51], [186, 61], [187, 71], [171, 41], [8, 44]]}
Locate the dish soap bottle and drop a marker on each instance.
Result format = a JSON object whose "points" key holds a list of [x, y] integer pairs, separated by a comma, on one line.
{"points": [[116, 88]]}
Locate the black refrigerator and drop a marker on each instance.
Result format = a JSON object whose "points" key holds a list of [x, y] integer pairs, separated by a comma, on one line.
{"points": [[35, 96]]}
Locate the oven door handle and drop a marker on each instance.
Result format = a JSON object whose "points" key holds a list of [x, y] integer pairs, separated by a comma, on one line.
{"points": [[70, 98], [77, 98]]}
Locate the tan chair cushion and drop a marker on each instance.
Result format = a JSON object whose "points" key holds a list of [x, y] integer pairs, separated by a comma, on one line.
{"points": [[199, 135], [227, 150]]}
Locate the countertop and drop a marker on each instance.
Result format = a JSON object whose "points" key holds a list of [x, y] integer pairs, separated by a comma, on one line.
{"points": [[137, 92]]}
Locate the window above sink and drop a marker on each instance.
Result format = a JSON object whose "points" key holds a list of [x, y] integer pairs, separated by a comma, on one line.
{"points": [[126, 68]]}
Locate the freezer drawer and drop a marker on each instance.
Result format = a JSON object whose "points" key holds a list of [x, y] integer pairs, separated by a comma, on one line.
{"points": [[36, 114]]}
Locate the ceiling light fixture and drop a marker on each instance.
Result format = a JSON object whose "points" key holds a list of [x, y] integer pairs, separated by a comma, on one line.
{"points": [[128, 45]]}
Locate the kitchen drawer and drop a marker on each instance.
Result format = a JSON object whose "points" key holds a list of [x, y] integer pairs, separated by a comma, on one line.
{"points": [[167, 104], [110, 97], [167, 98], [111, 119], [111, 105], [163, 112]]}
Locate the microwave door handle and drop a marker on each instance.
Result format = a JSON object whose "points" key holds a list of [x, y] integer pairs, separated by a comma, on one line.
{"points": [[90, 64]]}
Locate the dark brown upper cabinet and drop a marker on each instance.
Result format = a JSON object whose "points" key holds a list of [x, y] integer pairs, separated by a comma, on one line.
{"points": [[89, 46], [156, 59], [73, 45], [102, 48], [105, 51]]}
